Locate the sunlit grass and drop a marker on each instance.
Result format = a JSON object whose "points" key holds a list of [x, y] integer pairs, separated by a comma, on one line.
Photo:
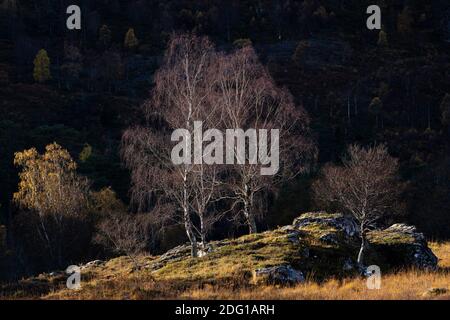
{"points": [[403, 285]]}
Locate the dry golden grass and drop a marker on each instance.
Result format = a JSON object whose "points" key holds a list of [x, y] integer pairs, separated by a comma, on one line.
{"points": [[404, 285], [408, 285], [116, 281], [442, 251]]}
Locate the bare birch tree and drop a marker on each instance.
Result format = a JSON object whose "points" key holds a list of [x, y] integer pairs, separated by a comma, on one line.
{"points": [[124, 234], [180, 97], [250, 99], [367, 186]]}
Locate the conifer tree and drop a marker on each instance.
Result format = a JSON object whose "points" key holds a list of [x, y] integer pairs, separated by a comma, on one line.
{"points": [[104, 36], [382, 39], [41, 72], [131, 41]]}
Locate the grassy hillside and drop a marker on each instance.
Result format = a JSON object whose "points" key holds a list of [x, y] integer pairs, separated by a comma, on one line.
{"points": [[229, 270]]}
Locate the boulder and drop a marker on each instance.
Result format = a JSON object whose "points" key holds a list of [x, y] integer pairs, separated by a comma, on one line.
{"points": [[338, 221], [348, 265], [397, 246], [95, 263], [402, 245], [283, 275], [177, 253], [204, 249], [57, 274]]}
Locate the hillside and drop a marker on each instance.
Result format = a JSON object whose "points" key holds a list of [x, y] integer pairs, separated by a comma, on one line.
{"points": [[359, 119], [314, 258]]}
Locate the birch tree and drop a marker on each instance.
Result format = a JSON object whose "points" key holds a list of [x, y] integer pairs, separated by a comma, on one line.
{"points": [[50, 186], [180, 97], [250, 99], [367, 186]]}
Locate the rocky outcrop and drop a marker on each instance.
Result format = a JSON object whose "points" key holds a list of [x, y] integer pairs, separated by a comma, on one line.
{"points": [[176, 254], [402, 245], [399, 245], [323, 244], [184, 251]]}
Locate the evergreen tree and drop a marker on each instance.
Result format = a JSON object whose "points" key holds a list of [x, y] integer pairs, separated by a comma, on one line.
{"points": [[41, 71], [382, 39], [104, 36], [131, 41], [86, 153]]}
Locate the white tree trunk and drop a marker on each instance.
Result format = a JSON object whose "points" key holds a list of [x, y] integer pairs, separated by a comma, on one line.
{"points": [[251, 221], [363, 248], [187, 220]]}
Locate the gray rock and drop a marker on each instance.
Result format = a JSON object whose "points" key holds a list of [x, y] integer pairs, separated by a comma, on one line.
{"points": [[284, 274], [329, 238], [348, 265], [184, 251], [204, 249], [422, 256], [413, 252], [175, 254], [94, 263], [416, 252], [406, 229], [294, 237], [305, 252], [338, 221]]}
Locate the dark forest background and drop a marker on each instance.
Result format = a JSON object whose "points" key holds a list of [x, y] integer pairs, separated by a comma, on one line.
{"points": [[359, 86]]}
